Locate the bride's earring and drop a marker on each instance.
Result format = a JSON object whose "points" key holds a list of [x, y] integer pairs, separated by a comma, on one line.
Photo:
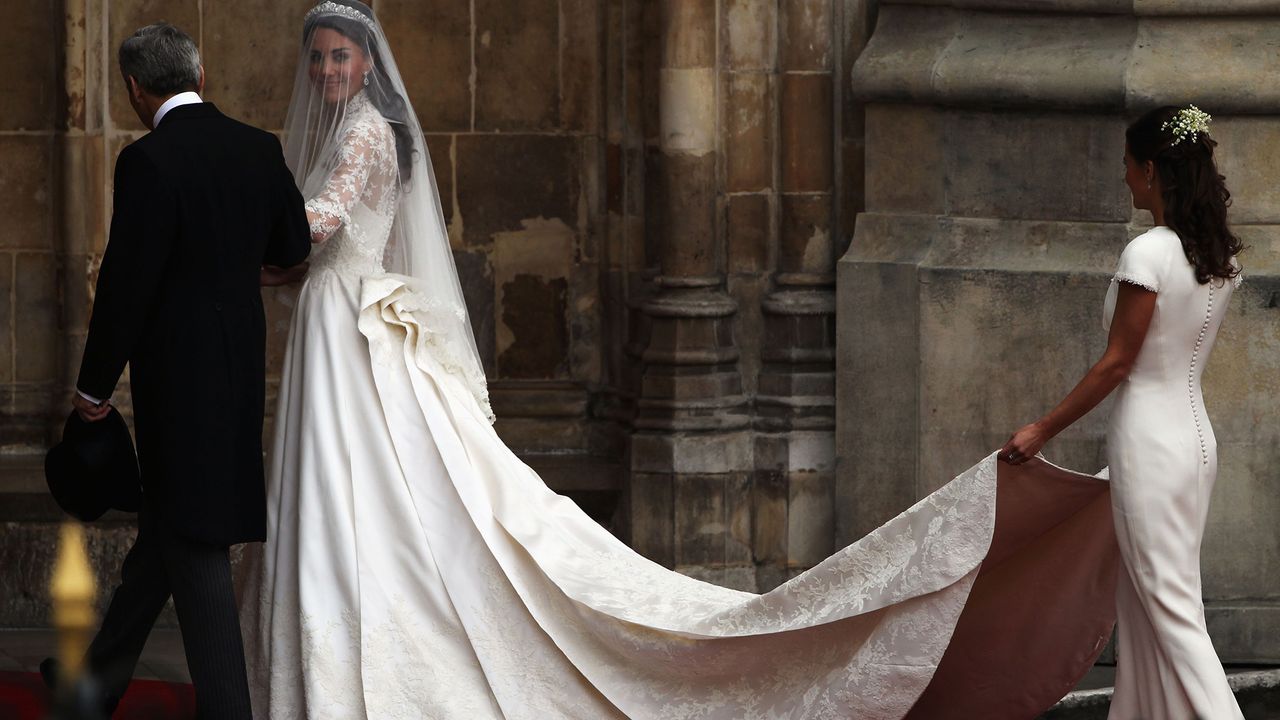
{"points": [[366, 84]]}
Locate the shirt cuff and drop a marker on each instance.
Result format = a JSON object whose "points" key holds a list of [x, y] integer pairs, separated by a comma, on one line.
{"points": [[89, 397]]}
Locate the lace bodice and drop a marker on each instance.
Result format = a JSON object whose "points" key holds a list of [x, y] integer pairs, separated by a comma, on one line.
{"points": [[352, 214]]}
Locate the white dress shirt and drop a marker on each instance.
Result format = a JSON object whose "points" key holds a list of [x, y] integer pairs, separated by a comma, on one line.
{"points": [[182, 98]]}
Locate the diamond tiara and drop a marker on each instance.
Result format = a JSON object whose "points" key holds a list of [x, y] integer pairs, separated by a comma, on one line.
{"points": [[328, 7]]}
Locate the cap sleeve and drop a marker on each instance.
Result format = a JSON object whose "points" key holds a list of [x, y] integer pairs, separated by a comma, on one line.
{"points": [[1143, 262]]}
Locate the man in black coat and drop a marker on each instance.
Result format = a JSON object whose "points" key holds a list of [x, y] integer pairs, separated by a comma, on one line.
{"points": [[202, 204]]}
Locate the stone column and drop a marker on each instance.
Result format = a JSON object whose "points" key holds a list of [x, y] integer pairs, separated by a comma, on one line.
{"points": [[995, 212], [85, 177], [796, 401], [690, 451]]}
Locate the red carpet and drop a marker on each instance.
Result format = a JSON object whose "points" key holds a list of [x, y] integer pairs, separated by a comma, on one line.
{"points": [[24, 697]]}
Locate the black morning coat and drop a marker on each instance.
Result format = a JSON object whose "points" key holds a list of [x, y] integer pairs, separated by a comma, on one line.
{"points": [[201, 203]]}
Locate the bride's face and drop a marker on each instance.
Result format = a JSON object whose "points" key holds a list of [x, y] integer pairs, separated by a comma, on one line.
{"points": [[337, 65]]}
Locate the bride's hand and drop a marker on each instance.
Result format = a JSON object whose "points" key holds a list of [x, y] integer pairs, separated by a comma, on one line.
{"points": [[1024, 444]]}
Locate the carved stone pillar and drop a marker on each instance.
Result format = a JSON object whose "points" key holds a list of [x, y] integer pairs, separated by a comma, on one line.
{"points": [[795, 416], [690, 452]]}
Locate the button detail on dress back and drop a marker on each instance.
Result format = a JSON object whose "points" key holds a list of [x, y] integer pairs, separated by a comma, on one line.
{"points": [[1191, 377]]}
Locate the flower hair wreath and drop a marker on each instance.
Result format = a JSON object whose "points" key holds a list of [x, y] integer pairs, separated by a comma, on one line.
{"points": [[1187, 124]]}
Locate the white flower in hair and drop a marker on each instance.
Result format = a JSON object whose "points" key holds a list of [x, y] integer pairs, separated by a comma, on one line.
{"points": [[1188, 123]]}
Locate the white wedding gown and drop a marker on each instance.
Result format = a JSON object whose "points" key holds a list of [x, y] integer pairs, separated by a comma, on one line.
{"points": [[416, 568]]}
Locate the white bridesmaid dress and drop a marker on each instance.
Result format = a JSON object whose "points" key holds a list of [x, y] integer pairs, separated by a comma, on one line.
{"points": [[1164, 461]]}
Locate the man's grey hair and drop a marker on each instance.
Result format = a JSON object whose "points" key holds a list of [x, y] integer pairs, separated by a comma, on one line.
{"points": [[163, 59]]}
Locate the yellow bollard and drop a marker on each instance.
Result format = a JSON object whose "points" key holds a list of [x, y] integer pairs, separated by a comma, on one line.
{"points": [[73, 591]]}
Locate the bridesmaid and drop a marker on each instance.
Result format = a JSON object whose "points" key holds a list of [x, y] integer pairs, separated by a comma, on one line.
{"points": [[1166, 302]]}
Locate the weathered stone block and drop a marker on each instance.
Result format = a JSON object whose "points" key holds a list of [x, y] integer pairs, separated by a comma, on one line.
{"points": [[1075, 177], [748, 132], [587, 340], [749, 228], [36, 317], [503, 180], [750, 34], [517, 70], [26, 197], [1200, 7], [126, 17], [806, 132], [852, 187], [691, 453], [1030, 58], [1244, 632], [30, 50], [688, 31], [581, 77], [748, 291], [536, 306], [83, 205], [700, 521], [683, 226], [1248, 152], [6, 320], [651, 504], [1232, 69], [905, 154], [769, 517], [250, 58], [75, 295], [476, 277], [810, 518], [804, 239], [985, 59], [529, 268], [440, 150], [738, 514], [432, 46], [804, 35], [687, 110]]}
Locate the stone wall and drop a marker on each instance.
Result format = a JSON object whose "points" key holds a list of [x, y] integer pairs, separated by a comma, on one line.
{"points": [[31, 114], [995, 212]]}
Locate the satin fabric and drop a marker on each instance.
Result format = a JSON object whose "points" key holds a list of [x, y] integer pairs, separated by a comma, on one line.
{"points": [[417, 568]]}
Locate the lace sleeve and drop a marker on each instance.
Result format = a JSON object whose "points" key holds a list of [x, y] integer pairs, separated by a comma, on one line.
{"points": [[365, 147]]}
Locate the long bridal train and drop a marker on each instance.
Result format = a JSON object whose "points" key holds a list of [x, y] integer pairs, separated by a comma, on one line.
{"points": [[455, 584]]}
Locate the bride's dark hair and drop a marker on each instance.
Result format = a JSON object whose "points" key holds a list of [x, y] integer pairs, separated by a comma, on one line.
{"points": [[388, 102], [1195, 194]]}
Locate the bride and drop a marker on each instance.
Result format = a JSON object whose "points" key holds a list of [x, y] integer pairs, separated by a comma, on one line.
{"points": [[415, 567]]}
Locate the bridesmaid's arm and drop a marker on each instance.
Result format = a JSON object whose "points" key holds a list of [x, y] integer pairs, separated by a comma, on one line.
{"points": [[1135, 306]]}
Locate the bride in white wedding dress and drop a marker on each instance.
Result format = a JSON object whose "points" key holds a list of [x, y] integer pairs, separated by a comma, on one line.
{"points": [[416, 568]]}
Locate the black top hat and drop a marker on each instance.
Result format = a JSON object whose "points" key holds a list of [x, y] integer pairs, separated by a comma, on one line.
{"points": [[94, 468]]}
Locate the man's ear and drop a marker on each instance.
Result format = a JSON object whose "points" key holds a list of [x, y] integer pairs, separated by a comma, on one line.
{"points": [[135, 89], [200, 83]]}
